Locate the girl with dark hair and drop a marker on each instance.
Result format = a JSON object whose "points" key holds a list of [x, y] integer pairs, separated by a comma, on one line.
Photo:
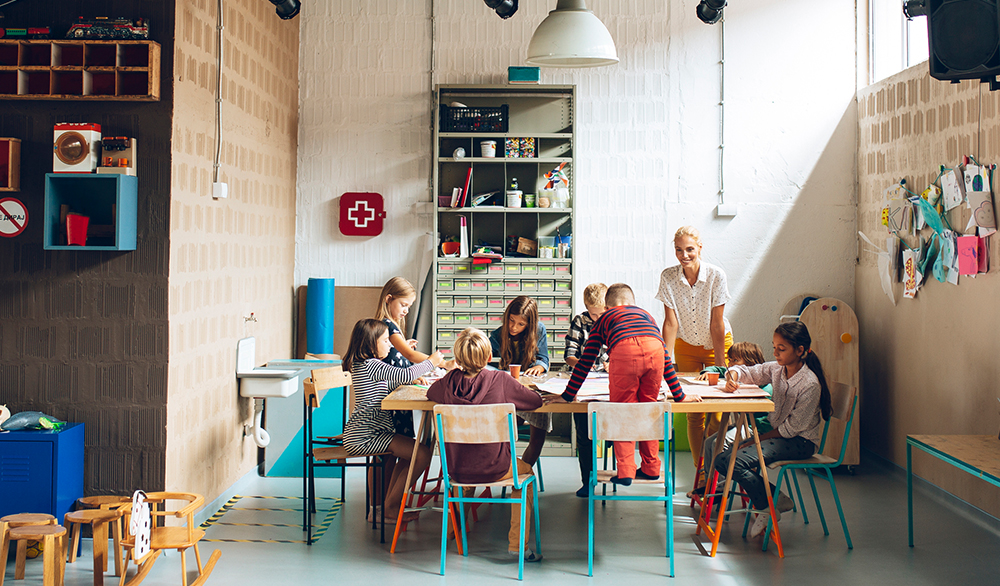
{"points": [[801, 403], [522, 340], [370, 430]]}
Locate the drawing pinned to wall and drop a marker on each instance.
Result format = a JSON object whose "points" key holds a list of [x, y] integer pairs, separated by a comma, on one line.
{"points": [[900, 215], [952, 259], [951, 189], [983, 217], [932, 194], [984, 255], [911, 274], [968, 255], [976, 177]]}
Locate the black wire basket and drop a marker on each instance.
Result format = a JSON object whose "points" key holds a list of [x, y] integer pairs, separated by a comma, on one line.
{"points": [[475, 119]]}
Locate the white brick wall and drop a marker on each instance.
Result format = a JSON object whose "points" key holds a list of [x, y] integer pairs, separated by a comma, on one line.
{"points": [[647, 156]]}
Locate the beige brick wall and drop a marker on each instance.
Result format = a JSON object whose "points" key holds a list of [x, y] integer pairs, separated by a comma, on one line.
{"points": [[928, 364], [228, 257]]}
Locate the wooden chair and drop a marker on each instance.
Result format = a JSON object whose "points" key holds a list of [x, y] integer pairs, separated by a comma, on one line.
{"points": [[180, 537], [107, 503], [844, 400], [98, 519], [482, 424], [13, 521], [331, 452], [53, 539], [628, 422]]}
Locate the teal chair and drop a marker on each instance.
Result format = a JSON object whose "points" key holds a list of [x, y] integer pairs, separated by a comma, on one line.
{"points": [[628, 422], [844, 400], [482, 424]]}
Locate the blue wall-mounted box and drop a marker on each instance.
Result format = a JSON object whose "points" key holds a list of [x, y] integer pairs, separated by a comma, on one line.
{"points": [[523, 74]]}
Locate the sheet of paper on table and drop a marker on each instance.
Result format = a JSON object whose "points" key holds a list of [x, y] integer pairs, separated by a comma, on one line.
{"points": [[718, 391]]}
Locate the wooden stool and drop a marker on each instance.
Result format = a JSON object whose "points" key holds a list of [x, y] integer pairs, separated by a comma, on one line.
{"points": [[19, 520], [98, 519], [107, 503], [53, 538]]}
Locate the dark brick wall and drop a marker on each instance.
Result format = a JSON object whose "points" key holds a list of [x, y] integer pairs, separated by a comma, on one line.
{"points": [[83, 334]]}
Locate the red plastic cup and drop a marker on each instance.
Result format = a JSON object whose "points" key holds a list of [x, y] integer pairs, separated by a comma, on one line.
{"points": [[76, 229], [713, 378], [515, 370]]}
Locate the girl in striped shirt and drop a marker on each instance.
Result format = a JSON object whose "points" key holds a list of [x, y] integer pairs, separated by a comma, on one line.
{"points": [[370, 430]]}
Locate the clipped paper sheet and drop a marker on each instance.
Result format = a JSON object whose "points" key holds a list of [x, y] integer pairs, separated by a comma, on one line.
{"points": [[911, 275], [884, 267], [952, 258], [984, 255], [952, 190], [976, 178], [900, 217], [981, 204], [968, 255]]}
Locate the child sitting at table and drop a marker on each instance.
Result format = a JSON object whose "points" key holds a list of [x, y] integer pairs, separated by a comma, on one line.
{"points": [[640, 361], [470, 384], [522, 340], [576, 339], [801, 404], [370, 430]]}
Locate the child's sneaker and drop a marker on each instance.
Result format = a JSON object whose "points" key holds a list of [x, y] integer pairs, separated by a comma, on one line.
{"points": [[621, 481], [529, 556], [760, 523], [583, 492]]}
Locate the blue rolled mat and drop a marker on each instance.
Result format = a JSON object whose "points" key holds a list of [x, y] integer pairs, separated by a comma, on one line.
{"points": [[319, 316]]}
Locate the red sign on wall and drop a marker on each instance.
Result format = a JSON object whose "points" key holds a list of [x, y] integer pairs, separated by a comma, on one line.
{"points": [[13, 217], [361, 214]]}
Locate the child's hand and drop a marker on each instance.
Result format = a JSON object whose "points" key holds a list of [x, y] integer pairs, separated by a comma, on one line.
{"points": [[571, 361], [449, 365], [553, 399], [412, 344], [536, 370], [688, 398], [421, 382], [732, 381], [702, 376], [436, 358]]}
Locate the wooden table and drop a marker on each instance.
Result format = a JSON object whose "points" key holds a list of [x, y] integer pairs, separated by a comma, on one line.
{"points": [[978, 455], [412, 398]]}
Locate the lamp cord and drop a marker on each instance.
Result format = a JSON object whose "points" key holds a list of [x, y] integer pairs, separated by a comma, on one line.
{"points": [[722, 109], [218, 99]]}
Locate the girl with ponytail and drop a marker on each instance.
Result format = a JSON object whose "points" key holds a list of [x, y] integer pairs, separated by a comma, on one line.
{"points": [[801, 403]]}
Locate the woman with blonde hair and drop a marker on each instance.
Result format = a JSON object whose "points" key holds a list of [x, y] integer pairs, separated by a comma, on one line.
{"points": [[694, 296]]}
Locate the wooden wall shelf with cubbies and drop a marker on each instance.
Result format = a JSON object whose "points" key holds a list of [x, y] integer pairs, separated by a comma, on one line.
{"points": [[79, 70]]}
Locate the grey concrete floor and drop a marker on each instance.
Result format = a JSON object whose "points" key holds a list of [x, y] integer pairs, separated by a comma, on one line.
{"points": [[955, 544]]}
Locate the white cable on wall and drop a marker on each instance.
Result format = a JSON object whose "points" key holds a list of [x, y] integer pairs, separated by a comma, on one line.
{"points": [[722, 110], [218, 99]]}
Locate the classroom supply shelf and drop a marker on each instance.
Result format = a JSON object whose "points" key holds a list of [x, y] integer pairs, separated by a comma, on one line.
{"points": [[109, 201], [468, 295], [79, 70]]}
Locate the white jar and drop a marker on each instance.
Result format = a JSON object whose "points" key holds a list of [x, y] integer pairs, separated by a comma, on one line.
{"points": [[514, 198], [488, 148]]}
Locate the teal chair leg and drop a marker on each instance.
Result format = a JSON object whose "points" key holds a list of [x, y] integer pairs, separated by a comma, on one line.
{"points": [[444, 527], [669, 490], [802, 503], [590, 527], [840, 510], [788, 489], [541, 483], [520, 539], [819, 506], [461, 518], [538, 526]]}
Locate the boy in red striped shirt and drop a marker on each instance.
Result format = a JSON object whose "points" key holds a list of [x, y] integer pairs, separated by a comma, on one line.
{"points": [[638, 360]]}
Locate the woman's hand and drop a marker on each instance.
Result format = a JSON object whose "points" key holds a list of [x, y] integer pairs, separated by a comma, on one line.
{"points": [[702, 376], [436, 358], [546, 399], [536, 370], [732, 381]]}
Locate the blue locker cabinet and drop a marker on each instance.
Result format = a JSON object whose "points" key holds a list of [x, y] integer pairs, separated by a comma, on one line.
{"points": [[41, 471]]}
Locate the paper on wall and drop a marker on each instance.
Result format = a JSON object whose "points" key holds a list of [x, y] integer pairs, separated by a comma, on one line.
{"points": [[911, 274], [984, 255], [951, 190], [951, 260], [968, 255], [918, 213], [900, 218], [884, 267], [932, 194], [983, 217], [976, 178]]}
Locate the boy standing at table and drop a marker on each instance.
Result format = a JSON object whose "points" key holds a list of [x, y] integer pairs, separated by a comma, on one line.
{"points": [[639, 361], [576, 339]]}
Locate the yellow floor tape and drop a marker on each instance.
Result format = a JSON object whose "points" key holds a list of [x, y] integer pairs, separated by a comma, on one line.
{"points": [[319, 530]]}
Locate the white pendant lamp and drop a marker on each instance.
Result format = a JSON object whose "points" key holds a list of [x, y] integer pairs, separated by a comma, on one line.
{"points": [[571, 36]]}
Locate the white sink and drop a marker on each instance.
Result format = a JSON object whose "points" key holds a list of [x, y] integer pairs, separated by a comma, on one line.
{"points": [[261, 382]]}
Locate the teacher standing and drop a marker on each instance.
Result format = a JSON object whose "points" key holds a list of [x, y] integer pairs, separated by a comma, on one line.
{"points": [[694, 296]]}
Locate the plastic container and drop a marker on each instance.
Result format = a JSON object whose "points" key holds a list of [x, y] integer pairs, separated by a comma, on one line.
{"points": [[514, 198], [76, 229], [488, 148]]}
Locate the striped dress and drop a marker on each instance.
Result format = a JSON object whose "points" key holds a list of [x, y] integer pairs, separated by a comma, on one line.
{"points": [[370, 429]]}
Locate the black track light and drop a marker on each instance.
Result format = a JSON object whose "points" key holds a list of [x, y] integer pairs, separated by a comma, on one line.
{"points": [[710, 11], [286, 9], [504, 8]]}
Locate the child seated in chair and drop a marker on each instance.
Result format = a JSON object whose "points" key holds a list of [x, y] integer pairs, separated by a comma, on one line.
{"points": [[470, 384], [639, 360]]}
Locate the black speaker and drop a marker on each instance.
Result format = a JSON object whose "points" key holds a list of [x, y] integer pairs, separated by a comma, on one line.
{"points": [[963, 38]]}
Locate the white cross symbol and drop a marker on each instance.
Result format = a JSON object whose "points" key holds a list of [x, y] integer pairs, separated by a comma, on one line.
{"points": [[361, 219]]}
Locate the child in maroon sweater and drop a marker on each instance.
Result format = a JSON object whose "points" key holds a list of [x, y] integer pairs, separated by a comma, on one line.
{"points": [[469, 384], [638, 361]]}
